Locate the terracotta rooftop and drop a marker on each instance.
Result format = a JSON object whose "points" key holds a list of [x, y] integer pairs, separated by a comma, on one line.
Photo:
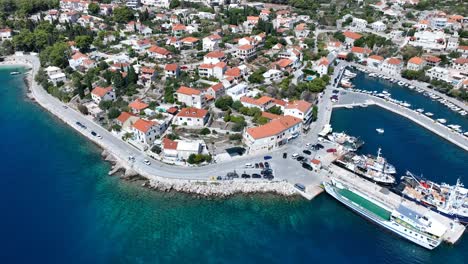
{"points": [[124, 116], [301, 105], [246, 47], [394, 61], [138, 105], [274, 127], [352, 35], [461, 61], [171, 67], [144, 125], [169, 144], [283, 63], [192, 112], [100, 91], [360, 50], [215, 54], [416, 60], [376, 57], [188, 91]]}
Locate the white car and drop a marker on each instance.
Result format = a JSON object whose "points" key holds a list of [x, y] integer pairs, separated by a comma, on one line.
{"points": [[248, 165], [147, 162], [295, 155]]}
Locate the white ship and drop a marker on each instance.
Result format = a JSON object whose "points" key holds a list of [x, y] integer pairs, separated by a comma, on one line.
{"points": [[419, 229]]}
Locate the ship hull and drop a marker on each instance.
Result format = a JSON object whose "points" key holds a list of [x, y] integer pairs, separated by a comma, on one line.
{"points": [[386, 224]]}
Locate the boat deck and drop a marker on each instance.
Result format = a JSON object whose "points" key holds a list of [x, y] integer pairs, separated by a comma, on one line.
{"points": [[454, 229], [366, 204]]}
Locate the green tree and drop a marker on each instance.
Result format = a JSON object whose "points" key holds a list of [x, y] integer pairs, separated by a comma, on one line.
{"points": [[113, 113], [123, 14], [224, 103], [93, 8], [174, 4], [56, 55], [83, 42]]}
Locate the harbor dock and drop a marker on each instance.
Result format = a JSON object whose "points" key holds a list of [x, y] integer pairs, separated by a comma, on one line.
{"points": [[355, 98], [455, 230]]}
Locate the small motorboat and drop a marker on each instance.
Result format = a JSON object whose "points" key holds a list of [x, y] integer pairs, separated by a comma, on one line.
{"points": [[14, 73], [429, 114], [380, 130]]}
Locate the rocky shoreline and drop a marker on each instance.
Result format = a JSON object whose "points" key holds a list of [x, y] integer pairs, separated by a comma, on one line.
{"points": [[201, 188]]}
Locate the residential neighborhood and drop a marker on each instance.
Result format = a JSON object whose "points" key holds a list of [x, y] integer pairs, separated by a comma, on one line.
{"points": [[161, 73]]}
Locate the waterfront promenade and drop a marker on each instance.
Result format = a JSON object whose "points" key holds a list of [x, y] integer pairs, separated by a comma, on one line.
{"points": [[354, 98], [284, 169]]}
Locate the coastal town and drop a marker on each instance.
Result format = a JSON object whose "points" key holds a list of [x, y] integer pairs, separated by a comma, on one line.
{"points": [[218, 98]]}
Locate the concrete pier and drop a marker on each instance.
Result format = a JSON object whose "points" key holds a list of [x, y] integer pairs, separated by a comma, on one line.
{"points": [[454, 230]]}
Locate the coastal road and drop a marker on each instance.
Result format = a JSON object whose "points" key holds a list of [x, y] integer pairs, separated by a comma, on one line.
{"points": [[284, 168]]}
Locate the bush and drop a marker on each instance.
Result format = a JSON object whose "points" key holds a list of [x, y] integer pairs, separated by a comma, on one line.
{"points": [[198, 158], [236, 136], [83, 109], [205, 131]]}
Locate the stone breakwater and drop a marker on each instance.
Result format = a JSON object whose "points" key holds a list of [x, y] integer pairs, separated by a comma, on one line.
{"points": [[223, 188]]}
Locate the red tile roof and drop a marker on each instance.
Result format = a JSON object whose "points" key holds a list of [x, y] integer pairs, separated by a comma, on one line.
{"points": [[188, 91], [171, 67], [138, 105], [416, 60], [144, 125], [169, 144], [301, 105], [215, 54], [246, 47], [124, 116], [394, 61], [233, 72], [159, 50], [270, 115], [273, 128], [217, 87], [283, 63], [178, 27], [189, 40], [360, 50], [100, 91], [376, 57], [352, 35], [461, 61], [192, 112]]}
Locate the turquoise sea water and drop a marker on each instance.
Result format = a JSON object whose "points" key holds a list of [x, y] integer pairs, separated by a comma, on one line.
{"points": [[59, 206]]}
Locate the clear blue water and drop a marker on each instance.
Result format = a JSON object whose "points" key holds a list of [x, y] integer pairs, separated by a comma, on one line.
{"points": [[59, 206], [417, 100]]}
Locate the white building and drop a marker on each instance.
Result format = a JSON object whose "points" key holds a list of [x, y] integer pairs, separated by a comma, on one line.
{"points": [[134, 4], [359, 24], [415, 64], [299, 109], [214, 57], [145, 131], [157, 3], [99, 94], [272, 76], [271, 135], [245, 52], [378, 26], [391, 66], [5, 34], [438, 73], [55, 75], [212, 70], [181, 149], [191, 97], [192, 117], [429, 40], [211, 43]]}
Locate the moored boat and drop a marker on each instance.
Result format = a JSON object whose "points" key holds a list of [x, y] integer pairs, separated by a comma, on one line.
{"points": [[419, 229], [447, 200]]}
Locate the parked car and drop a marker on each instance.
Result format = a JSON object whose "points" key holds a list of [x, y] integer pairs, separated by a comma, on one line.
{"points": [[248, 165], [267, 165], [285, 155], [267, 157], [307, 152], [256, 165], [300, 187], [245, 176], [261, 165], [307, 166], [256, 176], [300, 158], [331, 150], [146, 162], [295, 155]]}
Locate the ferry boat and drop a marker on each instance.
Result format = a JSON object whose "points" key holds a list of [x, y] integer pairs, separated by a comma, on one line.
{"points": [[447, 200], [356, 164], [419, 229]]}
